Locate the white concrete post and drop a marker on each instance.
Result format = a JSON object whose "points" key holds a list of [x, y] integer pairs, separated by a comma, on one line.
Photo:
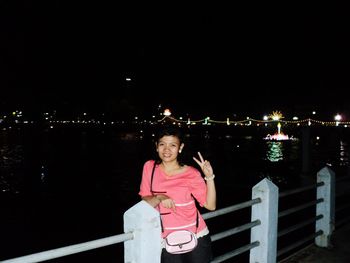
{"points": [[143, 220], [325, 208], [266, 232]]}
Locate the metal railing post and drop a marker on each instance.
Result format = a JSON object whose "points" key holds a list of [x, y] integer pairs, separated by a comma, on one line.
{"points": [[325, 208], [144, 222], [266, 232]]}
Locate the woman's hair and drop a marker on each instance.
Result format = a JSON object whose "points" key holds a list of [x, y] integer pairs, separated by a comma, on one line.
{"points": [[170, 131]]}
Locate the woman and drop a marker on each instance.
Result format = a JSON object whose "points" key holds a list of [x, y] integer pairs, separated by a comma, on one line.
{"points": [[173, 189]]}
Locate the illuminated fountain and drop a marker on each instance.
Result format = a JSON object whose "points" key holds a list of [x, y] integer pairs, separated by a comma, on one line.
{"points": [[279, 136]]}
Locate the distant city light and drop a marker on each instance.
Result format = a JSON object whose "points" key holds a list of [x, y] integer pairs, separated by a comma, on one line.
{"points": [[167, 112], [337, 117], [128, 79], [276, 115], [16, 117]]}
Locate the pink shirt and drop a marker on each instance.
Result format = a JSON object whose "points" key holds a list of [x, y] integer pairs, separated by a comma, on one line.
{"points": [[178, 187]]}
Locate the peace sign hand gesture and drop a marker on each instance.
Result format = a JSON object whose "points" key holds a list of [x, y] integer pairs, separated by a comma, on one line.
{"points": [[204, 165]]}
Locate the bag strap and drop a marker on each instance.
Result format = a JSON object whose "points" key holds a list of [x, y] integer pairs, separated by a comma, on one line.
{"points": [[154, 167], [152, 175], [161, 222]]}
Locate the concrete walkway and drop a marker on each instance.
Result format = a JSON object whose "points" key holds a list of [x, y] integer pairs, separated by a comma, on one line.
{"points": [[340, 253]]}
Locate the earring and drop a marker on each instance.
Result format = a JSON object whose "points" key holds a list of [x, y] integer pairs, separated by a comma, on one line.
{"points": [[180, 151]]}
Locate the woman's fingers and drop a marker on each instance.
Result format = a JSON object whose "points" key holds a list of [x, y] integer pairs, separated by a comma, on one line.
{"points": [[169, 203], [204, 164], [201, 161], [194, 158], [200, 156], [198, 162]]}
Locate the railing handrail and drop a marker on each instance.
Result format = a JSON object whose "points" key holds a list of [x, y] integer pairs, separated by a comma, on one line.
{"points": [[300, 242], [299, 226], [72, 249], [255, 239], [231, 208], [234, 230], [299, 207], [300, 189], [85, 246]]}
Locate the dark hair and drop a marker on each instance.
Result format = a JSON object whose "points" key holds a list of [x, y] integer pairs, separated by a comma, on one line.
{"points": [[170, 131]]}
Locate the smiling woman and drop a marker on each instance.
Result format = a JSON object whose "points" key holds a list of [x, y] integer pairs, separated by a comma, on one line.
{"points": [[174, 189]]}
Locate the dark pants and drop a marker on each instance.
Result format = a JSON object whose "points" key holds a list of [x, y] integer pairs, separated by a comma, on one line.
{"points": [[201, 254]]}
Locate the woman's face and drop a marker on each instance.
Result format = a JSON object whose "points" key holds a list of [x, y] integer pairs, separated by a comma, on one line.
{"points": [[168, 148]]}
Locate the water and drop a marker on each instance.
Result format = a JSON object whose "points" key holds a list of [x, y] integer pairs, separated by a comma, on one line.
{"points": [[68, 185]]}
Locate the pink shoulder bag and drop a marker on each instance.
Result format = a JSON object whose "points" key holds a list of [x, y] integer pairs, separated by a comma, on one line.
{"points": [[181, 241]]}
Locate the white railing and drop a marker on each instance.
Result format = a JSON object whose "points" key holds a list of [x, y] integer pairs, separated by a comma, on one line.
{"points": [[142, 242], [69, 250]]}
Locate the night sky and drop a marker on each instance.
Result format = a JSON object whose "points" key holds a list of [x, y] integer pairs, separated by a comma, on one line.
{"points": [[76, 55]]}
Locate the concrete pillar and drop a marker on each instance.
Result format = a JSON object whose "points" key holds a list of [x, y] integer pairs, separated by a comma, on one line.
{"points": [[266, 232], [144, 221], [325, 208]]}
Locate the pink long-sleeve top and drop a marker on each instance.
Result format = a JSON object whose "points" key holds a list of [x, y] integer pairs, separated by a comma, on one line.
{"points": [[181, 188]]}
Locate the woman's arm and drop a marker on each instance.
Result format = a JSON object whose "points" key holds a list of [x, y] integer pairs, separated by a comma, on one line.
{"points": [[152, 200], [155, 200], [205, 165], [210, 203]]}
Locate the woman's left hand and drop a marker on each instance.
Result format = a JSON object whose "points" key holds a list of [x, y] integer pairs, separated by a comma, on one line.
{"points": [[204, 165]]}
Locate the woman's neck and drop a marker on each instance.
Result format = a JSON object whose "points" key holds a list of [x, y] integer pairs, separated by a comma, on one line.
{"points": [[171, 168], [171, 165]]}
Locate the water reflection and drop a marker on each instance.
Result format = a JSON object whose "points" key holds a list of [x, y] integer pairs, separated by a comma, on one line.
{"points": [[269, 157], [343, 154], [10, 160], [274, 151]]}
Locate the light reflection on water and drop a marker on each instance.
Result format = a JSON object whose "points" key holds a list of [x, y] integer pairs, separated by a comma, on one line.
{"points": [[274, 154], [274, 151], [343, 154], [10, 160], [281, 162]]}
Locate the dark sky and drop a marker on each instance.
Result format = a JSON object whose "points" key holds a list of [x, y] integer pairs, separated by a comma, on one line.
{"points": [[205, 58]]}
